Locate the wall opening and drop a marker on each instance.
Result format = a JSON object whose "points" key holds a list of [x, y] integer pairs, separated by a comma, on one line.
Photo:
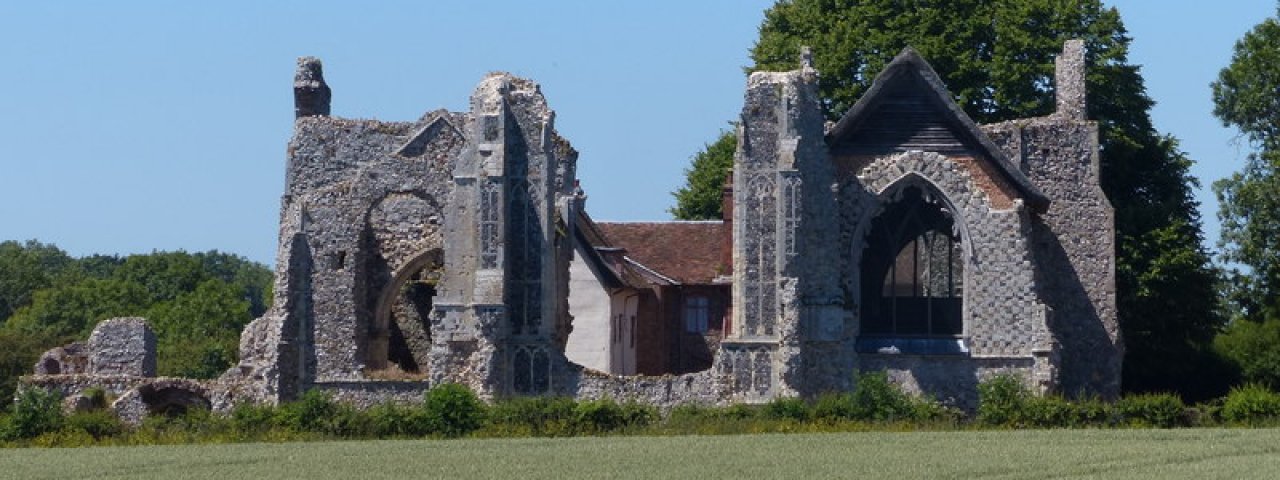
{"points": [[400, 338], [913, 270], [51, 366], [172, 401]]}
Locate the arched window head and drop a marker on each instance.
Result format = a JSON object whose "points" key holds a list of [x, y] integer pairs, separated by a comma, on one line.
{"points": [[913, 269]]}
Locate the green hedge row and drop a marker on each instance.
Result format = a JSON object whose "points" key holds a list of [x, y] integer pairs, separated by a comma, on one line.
{"points": [[449, 411]]}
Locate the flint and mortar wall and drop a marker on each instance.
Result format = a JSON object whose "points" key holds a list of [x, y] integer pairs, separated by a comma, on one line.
{"points": [[1073, 247]]}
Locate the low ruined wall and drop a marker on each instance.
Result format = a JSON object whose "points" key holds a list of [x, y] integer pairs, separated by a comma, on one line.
{"points": [[68, 385], [367, 394], [664, 391], [951, 379]]}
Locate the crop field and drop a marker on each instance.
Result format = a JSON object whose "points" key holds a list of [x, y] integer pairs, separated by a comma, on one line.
{"points": [[1156, 454]]}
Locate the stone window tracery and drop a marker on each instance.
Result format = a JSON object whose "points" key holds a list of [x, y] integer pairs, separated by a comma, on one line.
{"points": [[489, 228], [531, 370], [760, 278], [913, 270], [791, 214], [524, 295]]}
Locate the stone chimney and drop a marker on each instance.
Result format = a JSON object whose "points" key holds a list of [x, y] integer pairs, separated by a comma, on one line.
{"points": [[310, 94], [1069, 81]]}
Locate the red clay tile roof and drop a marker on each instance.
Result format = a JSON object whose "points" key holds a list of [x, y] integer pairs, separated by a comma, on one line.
{"points": [[688, 252]]}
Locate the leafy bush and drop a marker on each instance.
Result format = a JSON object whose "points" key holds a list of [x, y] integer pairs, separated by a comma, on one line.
{"points": [[1049, 411], [1093, 411], [833, 407], [1002, 400], [1251, 404], [1206, 414], [636, 414], [741, 411], [537, 416], [316, 411], [1254, 349], [395, 420], [876, 398], [250, 418], [98, 423], [35, 412], [787, 408], [596, 416], [1164, 410], [1005, 401], [691, 413], [191, 425], [452, 410]]}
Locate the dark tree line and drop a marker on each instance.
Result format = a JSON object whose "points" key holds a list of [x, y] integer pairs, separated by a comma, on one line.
{"points": [[196, 302]]}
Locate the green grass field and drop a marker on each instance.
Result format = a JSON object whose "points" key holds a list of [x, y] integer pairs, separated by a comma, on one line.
{"points": [[1156, 454]]}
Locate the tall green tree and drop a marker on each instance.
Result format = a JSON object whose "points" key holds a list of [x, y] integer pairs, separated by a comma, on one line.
{"points": [[996, 57], [1245, 97], [26, 268], [198, 333], [74, 309], [700, 197]]}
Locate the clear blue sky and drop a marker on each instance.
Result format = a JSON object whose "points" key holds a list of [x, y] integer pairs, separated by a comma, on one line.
{"points": [[127, 127]]}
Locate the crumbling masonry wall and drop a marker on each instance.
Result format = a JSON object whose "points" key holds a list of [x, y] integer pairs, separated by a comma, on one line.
{"points": [[1074, 241], [465, 203]]}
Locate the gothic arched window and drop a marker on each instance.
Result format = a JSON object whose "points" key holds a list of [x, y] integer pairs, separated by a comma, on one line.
{"points": [[913, 270]]}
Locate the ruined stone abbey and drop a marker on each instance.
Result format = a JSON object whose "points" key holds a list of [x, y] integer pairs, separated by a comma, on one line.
{"points": [[457, 248]]}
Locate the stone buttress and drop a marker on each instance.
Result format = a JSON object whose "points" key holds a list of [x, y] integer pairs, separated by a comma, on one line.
{"points": [[788, 320]]}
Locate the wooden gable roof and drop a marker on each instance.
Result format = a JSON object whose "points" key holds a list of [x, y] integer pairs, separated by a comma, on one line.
{"points": [[908, 108]]}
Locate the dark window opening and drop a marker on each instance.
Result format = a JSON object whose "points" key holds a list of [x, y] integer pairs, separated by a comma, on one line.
{"points": [[913, 270], [531, 370], [172, 402], [697, 311]]}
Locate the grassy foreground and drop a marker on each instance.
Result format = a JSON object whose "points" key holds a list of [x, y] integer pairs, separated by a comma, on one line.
{"points": [[1156, 454]]}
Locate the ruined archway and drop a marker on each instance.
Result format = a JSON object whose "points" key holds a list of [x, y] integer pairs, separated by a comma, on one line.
{"points": [[400, 336], [402, 261], [173, 398]]}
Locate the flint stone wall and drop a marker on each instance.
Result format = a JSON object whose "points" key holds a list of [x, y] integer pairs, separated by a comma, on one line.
{"points": [[65, 360], [1073, 246], [123, 346]]}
